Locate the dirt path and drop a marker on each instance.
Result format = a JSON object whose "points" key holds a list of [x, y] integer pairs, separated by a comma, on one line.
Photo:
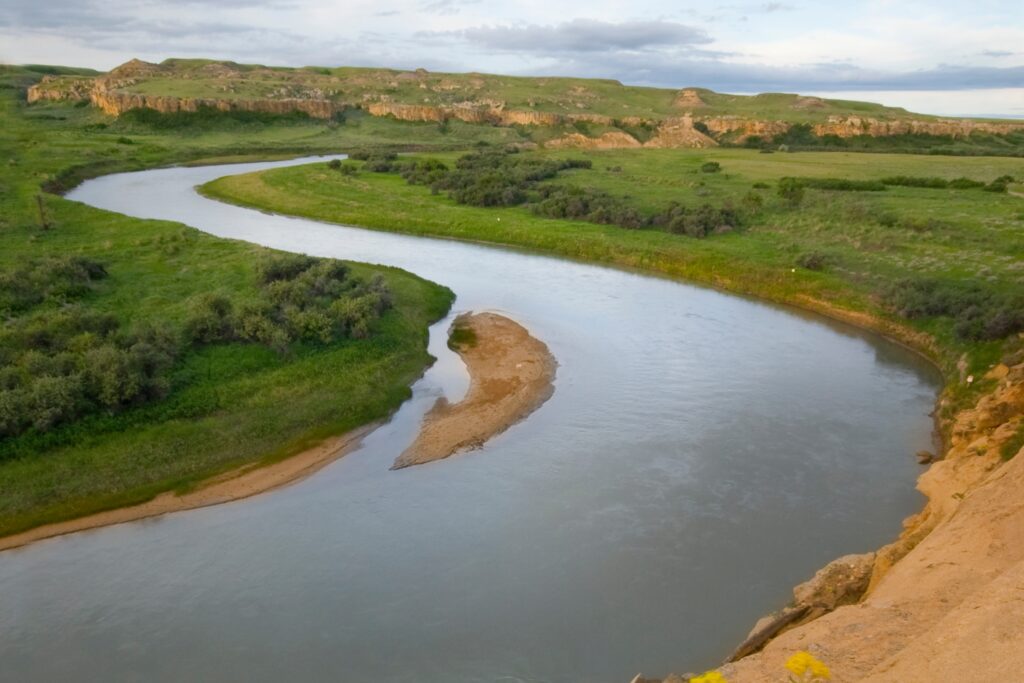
{"points": [[511, 375], [234, 485]]}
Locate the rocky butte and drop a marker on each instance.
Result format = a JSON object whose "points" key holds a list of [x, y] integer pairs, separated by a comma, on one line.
{"points": [[600, 114]]}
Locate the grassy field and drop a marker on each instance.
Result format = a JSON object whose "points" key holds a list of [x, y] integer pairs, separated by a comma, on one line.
{"points": [[867, 241], [228, 403]]}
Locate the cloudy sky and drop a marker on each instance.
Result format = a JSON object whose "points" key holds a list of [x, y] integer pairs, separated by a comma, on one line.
{"points": [[936, 57]]}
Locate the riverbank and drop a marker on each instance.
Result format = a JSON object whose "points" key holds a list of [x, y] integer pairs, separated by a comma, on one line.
{"points": [[237, 484], [715, 261], [944, 602], [511, 375], [205, 408]]}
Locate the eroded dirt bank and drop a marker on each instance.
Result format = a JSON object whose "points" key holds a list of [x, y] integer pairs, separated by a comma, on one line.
{"points": [[945, 602], [511, 375], [234, 485]]}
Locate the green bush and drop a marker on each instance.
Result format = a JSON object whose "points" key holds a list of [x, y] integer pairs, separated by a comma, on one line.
{"points": [[791, 190], [813, 260], [978, 312], [58, 364], [839, 184], [711, 167], [54, 279]]}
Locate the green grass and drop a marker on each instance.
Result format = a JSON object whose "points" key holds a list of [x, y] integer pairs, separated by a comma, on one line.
{"points": [[869, 239], [229, 404], [461, 336], [1013, 445]]}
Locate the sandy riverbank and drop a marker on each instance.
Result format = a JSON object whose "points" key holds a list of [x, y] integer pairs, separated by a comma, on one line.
{"points": [[511, 375], [234, 485]]}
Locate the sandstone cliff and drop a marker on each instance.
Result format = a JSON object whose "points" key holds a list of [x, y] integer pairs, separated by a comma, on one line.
{"points": [[424, 97]]}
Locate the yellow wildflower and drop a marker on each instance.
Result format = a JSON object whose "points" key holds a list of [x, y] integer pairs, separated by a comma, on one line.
{"points": [[807, 667], [709, 677]]}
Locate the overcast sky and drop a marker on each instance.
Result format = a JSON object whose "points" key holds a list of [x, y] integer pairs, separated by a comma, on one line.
{"points": [[935, 57]]}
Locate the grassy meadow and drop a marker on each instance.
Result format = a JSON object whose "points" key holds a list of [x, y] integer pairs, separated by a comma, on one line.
{"points": [[226, 403]]}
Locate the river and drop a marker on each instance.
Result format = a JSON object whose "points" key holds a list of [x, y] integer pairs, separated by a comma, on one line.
{"points": [[702, 454]]}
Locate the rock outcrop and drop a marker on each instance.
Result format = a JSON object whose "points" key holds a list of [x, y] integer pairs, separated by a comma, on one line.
{"points": [[379, 93], [609, 140], [679, 132]]}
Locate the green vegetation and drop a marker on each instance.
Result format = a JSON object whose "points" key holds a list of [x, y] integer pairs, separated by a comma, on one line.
{"points": [[142, 356], [829, 250], [1014, 444], [496, 178], [461, 336], [800, 137]]}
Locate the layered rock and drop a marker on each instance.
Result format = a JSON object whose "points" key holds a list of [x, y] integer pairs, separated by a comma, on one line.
{"points": [[323, 98], [609, 140], [679, 132]]}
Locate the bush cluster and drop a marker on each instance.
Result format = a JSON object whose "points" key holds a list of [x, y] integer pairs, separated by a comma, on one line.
{"points": [[701, 221], [59, 363], [57, 280], [934, 183], [838, 184], [302, 299], [497, 177], [587, 204], [979, 313], [494, 177]]}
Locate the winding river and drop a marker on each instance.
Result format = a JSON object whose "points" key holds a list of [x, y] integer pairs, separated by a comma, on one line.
{"points": [[702, 453]]}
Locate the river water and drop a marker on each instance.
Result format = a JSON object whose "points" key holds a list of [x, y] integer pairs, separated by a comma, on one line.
{"points": [[702, 453]]}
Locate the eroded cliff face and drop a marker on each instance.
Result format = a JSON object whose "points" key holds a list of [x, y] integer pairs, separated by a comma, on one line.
{"points": [[945, 602], [698, 126]]}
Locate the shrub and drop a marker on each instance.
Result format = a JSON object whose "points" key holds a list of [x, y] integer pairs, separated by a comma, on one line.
{"points": [[334, 164], [209, 320], [965, 184], [813, 260], [999, 184], [711, 167], [283, 267], [791, 190], [977, 312], [910, 181], [55, 279], [839, 184], [699, 222]]}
